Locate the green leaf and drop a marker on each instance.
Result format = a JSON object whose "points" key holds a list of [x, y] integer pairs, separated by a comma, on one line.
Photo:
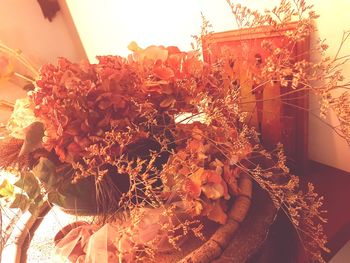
{"points": [[29, 184], [56, 198], [35, 204], [21, 201], [45, 171], [34, 207], [6, 189], [33, 138]]}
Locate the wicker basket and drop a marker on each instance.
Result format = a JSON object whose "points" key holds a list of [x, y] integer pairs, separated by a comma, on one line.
{"points": [[192, 251]]}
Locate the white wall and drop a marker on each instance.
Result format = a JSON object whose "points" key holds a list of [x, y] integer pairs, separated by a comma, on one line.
{"points": [[324, 145], [108, 26], [23, 26]]}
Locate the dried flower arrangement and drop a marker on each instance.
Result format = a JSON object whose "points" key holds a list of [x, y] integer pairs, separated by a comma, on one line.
{"points": [[163, 133]]}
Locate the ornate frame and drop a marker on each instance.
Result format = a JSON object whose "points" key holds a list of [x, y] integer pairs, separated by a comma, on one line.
{"points": [[244, 45]]}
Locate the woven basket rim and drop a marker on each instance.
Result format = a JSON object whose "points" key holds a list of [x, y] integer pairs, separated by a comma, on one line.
{"points": [[216, 244]]}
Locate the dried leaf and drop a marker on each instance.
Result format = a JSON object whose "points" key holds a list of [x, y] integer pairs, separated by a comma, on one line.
{"points": [[196, 146], [212, 176], [163, 73], [197, 133], [192, 185], [213, 191], [154, 53], [192, 188], [133, 46]]}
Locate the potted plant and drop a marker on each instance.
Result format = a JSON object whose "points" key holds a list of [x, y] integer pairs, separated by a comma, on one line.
{"points": [[161, 138]]}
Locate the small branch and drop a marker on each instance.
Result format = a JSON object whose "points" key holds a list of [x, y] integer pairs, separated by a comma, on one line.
{"points": [[345, 36], [7, 105], [24, 77], [24, 61]]}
